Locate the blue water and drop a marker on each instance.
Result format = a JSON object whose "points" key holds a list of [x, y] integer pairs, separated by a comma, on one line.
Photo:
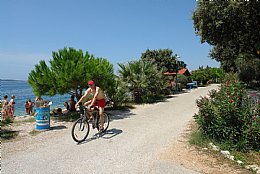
{"points": [[23, 91]]}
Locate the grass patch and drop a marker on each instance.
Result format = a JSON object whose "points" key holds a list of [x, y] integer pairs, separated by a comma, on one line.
{"points": [[69, 117], [198, 139], [34, 132], [26, 120], [249, 158], [202, 141], [8, 134], [6, 122]]}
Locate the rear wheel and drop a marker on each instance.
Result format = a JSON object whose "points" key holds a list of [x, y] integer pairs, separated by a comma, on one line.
{"points": [[80, 130]]}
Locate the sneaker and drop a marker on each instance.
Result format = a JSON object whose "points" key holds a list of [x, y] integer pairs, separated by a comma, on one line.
{"points": [[101, 130]]}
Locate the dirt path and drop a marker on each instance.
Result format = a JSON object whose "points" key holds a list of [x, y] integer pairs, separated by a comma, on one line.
{"points": [[134, 143]]}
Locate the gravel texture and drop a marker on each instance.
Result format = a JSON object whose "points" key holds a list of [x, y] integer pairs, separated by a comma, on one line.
{"points": [[133, 143]]}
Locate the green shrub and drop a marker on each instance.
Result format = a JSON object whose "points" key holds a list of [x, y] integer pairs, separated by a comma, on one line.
{"points": [[230, 116], [121, 95], [182, 80], [6, 121]]}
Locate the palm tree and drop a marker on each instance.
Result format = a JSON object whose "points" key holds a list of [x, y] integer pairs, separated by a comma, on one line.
{"points": [[143, 80]]}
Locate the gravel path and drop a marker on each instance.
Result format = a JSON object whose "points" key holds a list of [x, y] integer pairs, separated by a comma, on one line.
{"points": [[131, 145]]}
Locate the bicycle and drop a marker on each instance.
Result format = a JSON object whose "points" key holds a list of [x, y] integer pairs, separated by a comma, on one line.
{"points": [[80, 128]]}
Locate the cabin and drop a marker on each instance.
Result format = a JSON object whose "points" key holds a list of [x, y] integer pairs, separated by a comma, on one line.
{"points": [[183, 71]]}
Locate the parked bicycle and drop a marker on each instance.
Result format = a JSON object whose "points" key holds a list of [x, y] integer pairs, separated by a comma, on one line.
{"points": [[80, 128]]}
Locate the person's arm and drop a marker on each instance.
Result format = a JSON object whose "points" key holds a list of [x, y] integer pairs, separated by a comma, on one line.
{"points": [[83, 97], [95, 97]]}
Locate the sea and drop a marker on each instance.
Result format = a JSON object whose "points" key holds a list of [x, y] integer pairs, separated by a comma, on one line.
{"points": [[23, 91]]}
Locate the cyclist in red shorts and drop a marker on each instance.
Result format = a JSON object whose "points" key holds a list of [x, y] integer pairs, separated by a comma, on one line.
{"points": [[98, 97]]}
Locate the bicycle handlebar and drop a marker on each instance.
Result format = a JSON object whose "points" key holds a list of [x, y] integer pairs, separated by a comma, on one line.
{"points": [[81, 108]]}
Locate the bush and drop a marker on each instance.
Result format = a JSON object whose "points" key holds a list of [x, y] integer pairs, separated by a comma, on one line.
{"points": [[121, 95], [230, 116], [182, 81]]}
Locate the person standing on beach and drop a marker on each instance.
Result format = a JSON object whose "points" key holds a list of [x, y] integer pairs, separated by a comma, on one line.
{"points": [[72, 103], [11, 104], [31, 105], [97, 96], [27, 107], [5, 107]]}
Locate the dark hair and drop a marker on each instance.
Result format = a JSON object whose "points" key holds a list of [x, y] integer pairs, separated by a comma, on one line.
{"points": [[59, 110], [5, 96], [67, 107]]}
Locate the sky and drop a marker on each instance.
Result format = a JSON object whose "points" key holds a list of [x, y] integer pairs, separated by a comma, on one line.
{"points": [[118, 30]]}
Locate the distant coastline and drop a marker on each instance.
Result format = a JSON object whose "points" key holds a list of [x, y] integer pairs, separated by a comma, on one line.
{"points": [[13, 80]]}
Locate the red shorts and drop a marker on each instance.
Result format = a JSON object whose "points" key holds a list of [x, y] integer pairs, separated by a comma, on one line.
{"points": [[100, 103]]}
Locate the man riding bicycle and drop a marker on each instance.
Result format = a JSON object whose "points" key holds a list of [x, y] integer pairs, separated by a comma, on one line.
{"points": [[98, 97]]}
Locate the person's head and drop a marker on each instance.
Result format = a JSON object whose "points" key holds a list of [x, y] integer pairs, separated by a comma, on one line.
{"points": [[12, 96], [66, 104], [72, 97], [5, 97], [38, 98], [29, 100], [91, 83]]}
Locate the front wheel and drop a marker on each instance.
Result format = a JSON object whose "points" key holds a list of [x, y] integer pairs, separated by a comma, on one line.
{"points": [[106, 122], [80, 130]]}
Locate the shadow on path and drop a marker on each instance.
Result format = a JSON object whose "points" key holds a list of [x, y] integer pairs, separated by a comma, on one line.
{"points": [[119, 114], [105, 135], [58, 127]]}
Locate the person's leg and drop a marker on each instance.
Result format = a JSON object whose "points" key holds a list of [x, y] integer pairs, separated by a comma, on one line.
{"points": [[101, 113], [27, 111], [89, 115]]}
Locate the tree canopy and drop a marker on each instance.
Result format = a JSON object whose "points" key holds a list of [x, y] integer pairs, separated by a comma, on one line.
{"points": [[231, 27], [164, 60], [203, 75], [69, 72]]}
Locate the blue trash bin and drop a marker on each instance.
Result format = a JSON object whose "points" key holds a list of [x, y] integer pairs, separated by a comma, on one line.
{"points": [[43, 118]]}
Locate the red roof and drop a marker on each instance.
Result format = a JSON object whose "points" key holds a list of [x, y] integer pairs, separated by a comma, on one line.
{"points": [[183, 71]]}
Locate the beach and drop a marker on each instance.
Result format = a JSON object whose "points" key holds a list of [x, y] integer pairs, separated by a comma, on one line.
{"points": [[23, 91]]}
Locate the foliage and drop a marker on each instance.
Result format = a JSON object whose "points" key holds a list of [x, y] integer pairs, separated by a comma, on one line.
{"points": [[230, 26], [230, 116], [203, 75], [68, 117], [121, 96], [143, 80], [230, 77], [163, 58], [7, 134], [249, 69], [199, 139], [7, 121], [69, 71], [182, 80]]}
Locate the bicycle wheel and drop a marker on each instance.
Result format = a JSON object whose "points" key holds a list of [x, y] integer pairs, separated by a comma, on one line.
{"points": [[80, 130], [106, 121]]}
